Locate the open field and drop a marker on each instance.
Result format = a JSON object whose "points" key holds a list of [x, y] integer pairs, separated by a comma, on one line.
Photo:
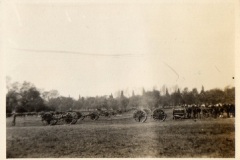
{"points": [[122, 137]]}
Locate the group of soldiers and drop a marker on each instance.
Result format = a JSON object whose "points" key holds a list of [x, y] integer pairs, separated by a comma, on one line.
{"points": [[204, 111]]}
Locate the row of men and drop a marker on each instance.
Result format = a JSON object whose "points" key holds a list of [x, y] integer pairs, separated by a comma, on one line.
{"points": [[197, 111]]}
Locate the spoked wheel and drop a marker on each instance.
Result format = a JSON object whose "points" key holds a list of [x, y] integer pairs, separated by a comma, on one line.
{"points": [[75, 117], [45, 122], [94, 116], [70, 118], [140, 116], [49, 119], [107, 115], [53, 121], [159, 115]]}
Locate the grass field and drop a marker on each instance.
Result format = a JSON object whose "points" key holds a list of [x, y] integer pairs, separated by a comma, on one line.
{"points": [[122, 137]]}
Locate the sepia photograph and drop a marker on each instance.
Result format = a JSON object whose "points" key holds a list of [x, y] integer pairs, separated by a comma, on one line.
{"points": [[119, 79]]}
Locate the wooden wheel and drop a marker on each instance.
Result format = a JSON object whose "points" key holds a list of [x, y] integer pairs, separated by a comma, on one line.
{"points": [[140, 116], [68, 118], [71, 117], [53, 121], [49, 119], [94, 116], [159, 115], [76, 116]]}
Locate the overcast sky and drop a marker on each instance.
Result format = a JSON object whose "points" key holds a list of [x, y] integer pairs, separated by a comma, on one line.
{"points": [[100, 48]]}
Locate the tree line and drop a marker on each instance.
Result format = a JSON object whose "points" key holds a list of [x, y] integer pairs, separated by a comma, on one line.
{"points": [[25, 97]]}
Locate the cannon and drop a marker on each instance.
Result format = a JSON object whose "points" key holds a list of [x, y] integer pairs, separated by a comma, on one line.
{"points": [[49, 118], [52, 118], [71, 117], [93, 116], [141, 115]]}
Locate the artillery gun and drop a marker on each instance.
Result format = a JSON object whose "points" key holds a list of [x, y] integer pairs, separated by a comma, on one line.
{"points": [[95, 115], [49, 118], [141, 115], [52, 118], [71, 117]]}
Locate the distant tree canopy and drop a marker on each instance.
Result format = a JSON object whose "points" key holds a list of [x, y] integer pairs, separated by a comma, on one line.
{"points": [[26, 97]]}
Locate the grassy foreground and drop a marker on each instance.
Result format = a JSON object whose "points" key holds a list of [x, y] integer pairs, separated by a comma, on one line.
{"points": [[122, 138]]}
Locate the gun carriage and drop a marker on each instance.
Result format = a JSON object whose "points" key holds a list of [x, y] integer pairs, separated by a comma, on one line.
{"points": [[52, 118], [71, 117], [142, 115]]}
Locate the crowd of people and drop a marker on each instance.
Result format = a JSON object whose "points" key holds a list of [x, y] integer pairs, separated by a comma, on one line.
{"points": [[204, 111]]}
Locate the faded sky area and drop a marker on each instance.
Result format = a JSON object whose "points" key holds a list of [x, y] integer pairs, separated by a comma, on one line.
{"points": [[100, 48]]}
